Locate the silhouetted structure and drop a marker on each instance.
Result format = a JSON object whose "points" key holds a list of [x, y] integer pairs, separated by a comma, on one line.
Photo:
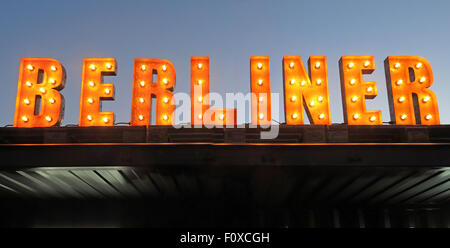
{"points": [[310, 176]]}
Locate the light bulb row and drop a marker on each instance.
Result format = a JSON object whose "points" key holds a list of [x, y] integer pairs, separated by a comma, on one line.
{"points": [[26, 119], [221, 116], [357, 116], [51, 80], [311, 103], [351, 65], [165, 81], [303, 82], [141, 117], [260, 83], [397, 65], [405, 116], [27, 101], [400, 81], [107, 90], [165, 100], [163, 67], [295, 116], [107, 65], [292, 65], [52, 68], [90, 118], [424, 100]]}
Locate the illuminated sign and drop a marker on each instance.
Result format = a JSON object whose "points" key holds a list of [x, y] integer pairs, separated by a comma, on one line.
{"points": [[39, 102]]}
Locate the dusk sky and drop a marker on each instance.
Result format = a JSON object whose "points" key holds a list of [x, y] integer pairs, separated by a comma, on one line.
{"points": [[229, 32]]}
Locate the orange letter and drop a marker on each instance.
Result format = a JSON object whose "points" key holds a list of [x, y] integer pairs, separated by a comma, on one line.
{"points": [[201, 113], [144, 89], [93, 91], [298, 87], [38, 101], [355, 91], [407, 80], [260, 86]]}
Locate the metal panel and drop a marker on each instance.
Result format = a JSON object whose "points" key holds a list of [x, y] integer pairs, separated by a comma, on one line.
{"points": [[94, 179], [421, 187], [115, 178], [402, 185], [386, 181]]}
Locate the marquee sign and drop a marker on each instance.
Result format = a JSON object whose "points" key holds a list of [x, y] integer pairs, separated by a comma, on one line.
{"points": [[39, 102]]}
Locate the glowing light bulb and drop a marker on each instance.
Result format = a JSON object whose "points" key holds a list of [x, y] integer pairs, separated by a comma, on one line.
{"points": [[24, 118], [350, 65], [28, 84], [372, 118], [418, 65], [292, 81], [53, 68], [93, 67], [321, 116], [141, 100], [397, 65], [260, 66], [352, 82], [199, 116], [428, 116], [356, 116], [200, 99], [294, 116], [143, 67], [293, 98], [51, 100], [320, 98], [105, 120], [48, 118], [401, 99], [165, 117], [354, 99], [199, 66], [164, 68], [141, 117], [42, 90], [221, 116], [422, 79], [291, 65], [311, 103], [89, 117], [369, 89], [91, 83], [366, 64], [317, 66], [302, 83], [403, 117], [30, 67], [52, 81], [261, 116], [26, 101], [90, 100], [107, 91], [165, 80], [261, 99], [166, 100], [142, 83], [319, 81], [200, 82], [108, 66], [260, 82], [426, 99], [399, 82]]}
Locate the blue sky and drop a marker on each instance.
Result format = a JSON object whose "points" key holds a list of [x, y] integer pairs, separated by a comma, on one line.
{"points": [[229, 32]]}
